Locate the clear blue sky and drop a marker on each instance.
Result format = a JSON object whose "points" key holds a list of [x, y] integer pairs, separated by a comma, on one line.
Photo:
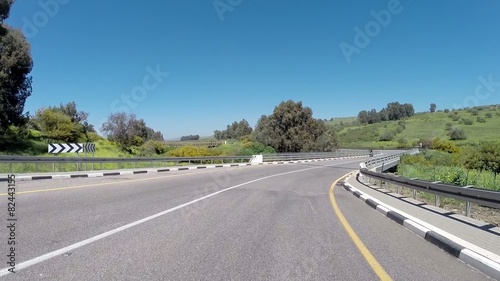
{"points": [[261, 53]]}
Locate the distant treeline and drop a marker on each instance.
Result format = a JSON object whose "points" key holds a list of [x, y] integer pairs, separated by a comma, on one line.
{"points": [[190, 138], [393, 111]]}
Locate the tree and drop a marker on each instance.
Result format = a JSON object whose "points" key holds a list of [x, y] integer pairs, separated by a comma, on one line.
{"points": [[234, 131], [57, 126], [292, 128], [433, 108], [190, 138], [363, 117], [126, 130], [118, 128], [15, 65], [80, 128]]}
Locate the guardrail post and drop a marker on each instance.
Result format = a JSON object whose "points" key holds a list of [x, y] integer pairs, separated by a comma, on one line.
{"points": [[437, 201], [415, 194], [467, 209]]}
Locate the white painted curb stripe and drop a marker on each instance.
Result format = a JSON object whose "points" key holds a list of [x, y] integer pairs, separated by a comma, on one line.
{"points": [[415, 228], [483, 264]]}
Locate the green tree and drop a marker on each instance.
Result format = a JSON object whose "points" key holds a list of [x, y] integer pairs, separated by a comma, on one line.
{"points": [[57, 126], [292, 128], [126, 130], [363, 117], [433, 108], [15, 65], [234, 131], [81, 129], [5, 9]]}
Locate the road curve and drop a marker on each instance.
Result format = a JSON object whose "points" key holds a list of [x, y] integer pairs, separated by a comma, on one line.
{"points": [[273, 222]]}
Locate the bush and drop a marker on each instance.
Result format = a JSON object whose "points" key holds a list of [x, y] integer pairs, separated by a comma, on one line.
{"points": [[152, 147], [191, 151], [449, 126], [402, 142], [481, 120], [455, 118], [446, 111], [445, 146], [387, 136], [467, 121], [489, 115], [457, 134]]}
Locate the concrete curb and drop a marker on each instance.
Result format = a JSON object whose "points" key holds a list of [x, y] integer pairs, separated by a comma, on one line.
{"points": [[455, 248], [95, 174]]}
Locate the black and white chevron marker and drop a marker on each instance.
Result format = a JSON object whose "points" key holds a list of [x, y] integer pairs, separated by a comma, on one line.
{"points": [[55, 148], [89, 147]]}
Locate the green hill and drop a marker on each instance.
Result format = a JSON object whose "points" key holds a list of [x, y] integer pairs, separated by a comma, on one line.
{"points": [[479, 124]]}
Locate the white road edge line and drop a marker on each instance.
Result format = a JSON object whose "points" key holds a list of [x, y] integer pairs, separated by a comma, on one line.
{"points": [[61, 251]]}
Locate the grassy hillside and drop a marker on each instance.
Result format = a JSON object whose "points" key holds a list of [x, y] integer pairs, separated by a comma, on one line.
{"points": [[341, 120], [479, 124]]}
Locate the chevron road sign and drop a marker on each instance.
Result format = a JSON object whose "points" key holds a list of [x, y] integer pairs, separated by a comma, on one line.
{"points": [[89, 147], [55, 148]]}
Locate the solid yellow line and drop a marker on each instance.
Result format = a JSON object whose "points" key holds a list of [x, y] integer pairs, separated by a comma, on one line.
{"points": [[374, 264], [101, 184]]}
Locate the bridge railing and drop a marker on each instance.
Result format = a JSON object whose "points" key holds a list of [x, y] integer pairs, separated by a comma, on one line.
{"points": [[469, 194]]}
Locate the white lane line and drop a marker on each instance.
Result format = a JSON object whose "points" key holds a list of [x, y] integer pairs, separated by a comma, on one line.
{"points": [[61, 251]]}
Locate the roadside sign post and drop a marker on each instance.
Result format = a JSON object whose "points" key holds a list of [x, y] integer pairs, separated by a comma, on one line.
{"points": [[56, 148]]}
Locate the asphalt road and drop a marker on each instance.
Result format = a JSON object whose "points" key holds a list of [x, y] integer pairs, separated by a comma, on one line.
{"points": [[272, 222]]}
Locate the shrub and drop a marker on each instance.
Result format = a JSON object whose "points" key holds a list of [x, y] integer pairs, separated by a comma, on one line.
{"points": [[446, 111], [402, 142], [449, 126], [489, 115], [444, 145], [481, 120], [474, 112], [467, 121], [387, 136], [457, 134], [455, 118]]}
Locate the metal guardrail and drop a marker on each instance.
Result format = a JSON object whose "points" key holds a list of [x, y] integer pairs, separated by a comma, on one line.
{"points": [[34, 159], [317, 155], [469, 194], [122, 162]]}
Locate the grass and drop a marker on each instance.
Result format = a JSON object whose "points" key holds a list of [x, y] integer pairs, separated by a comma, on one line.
{"points": [[424, 126], [453, 175], [343, 120]]}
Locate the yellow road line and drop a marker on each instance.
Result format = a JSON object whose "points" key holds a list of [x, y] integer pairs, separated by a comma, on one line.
{"points": [[374, 264], [101, 184]]}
